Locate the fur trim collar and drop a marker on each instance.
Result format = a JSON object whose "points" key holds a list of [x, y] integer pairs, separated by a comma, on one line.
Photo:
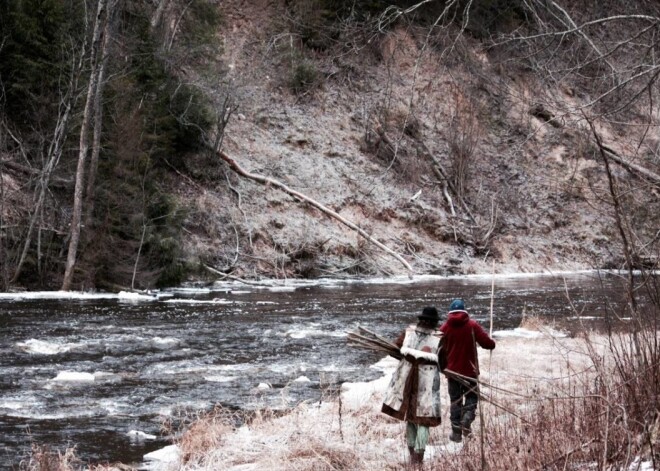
{"points": [[419, 354]]}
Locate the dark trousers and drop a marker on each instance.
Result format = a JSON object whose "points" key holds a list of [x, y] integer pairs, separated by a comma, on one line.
{"points": [[463, 408]]}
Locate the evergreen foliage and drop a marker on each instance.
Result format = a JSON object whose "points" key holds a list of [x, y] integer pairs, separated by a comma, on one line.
{"points": [[304, 76], [152, 120], [39, 42], [156, 120]]}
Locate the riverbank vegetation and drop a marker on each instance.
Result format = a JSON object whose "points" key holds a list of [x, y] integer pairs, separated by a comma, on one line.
{"points": [[585, 402], [95, 113], [550, 400]]}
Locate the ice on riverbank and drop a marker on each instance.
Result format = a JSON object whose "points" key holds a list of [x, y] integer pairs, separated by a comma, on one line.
{"points": [[44, 347], [522, 332], [165, 459], [74, 376], [76, 295], [139, 436]]}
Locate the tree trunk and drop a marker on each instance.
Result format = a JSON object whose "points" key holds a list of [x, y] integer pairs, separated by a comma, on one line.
{"points": [[98, 114], [76, 217], [630, 166]]}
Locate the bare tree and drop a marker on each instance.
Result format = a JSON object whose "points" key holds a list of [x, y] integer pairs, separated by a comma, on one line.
{"points": [[53, 155], [463, 138], [98, 111], [613, 61], [98, 46]]}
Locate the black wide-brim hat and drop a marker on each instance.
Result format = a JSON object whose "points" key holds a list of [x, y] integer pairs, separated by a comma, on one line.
{"points": [[429, 314]]}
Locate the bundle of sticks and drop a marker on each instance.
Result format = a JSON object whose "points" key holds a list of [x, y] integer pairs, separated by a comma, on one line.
{"points": [[368, 340]]}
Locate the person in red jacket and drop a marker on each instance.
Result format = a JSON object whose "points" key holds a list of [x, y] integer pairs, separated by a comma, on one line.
{"points": [[459, 349]]}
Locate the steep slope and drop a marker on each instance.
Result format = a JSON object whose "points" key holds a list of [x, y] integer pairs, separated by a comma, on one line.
{"points": [[538, 185]]}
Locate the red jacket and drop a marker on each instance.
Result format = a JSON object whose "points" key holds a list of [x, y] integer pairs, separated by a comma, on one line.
{"points": [[459, 336]]}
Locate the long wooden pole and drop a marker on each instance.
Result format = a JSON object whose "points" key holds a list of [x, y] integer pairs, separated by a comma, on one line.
{"points": [[492, 300]]}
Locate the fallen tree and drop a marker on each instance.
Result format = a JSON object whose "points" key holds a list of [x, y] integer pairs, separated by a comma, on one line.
{"points": [[296, 194]]}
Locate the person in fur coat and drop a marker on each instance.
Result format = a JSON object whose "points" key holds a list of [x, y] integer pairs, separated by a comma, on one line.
{"points": [[414, 391]]}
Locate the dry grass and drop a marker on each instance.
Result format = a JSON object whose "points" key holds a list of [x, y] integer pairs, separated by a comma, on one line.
{"points": [[206, 433], [318, 456], [532, 322], [43, 458], [550, 403]]}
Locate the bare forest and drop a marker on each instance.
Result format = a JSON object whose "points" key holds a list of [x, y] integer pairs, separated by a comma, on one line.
{"points": [[144, 144]]}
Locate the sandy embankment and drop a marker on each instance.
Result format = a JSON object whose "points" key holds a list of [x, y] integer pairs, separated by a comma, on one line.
{"points": [[351, 433]]}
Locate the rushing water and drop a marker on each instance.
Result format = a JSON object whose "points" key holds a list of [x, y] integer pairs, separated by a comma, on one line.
{"points": [[141, 362]]}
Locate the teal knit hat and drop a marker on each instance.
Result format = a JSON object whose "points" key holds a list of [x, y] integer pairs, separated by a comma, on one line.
{"points": [[457, 305]]}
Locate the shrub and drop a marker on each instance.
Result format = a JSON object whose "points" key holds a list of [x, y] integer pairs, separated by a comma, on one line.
{"points": [[304, 77]]}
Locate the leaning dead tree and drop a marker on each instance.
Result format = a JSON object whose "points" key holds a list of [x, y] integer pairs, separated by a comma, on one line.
{"points": [[324, 209], [626, 163]]}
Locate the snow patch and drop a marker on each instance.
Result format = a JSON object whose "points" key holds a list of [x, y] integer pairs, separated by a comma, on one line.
{"points": [[42, 347], [639, 465], [355, 395], [166, 341], [134, 297], [220, 379], [302, 379], [528, 334], [13, 405], [38, 295], [77, 295], [164, 459], [201, 301], [303, 333]]}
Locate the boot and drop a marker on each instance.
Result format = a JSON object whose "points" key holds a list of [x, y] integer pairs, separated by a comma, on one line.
{"points": [[466, 424], [455, 435], [420, 458], [413, 456], [416, 459]]}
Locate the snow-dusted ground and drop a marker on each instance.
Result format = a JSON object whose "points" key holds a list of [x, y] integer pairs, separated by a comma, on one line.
{"points": [[353, 429]]}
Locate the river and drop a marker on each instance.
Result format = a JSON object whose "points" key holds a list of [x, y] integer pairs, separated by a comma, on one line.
{"points": [[87, 370]]}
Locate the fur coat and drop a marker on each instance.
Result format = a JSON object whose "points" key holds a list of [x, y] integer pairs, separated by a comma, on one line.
{"points": [[414, 391]]}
